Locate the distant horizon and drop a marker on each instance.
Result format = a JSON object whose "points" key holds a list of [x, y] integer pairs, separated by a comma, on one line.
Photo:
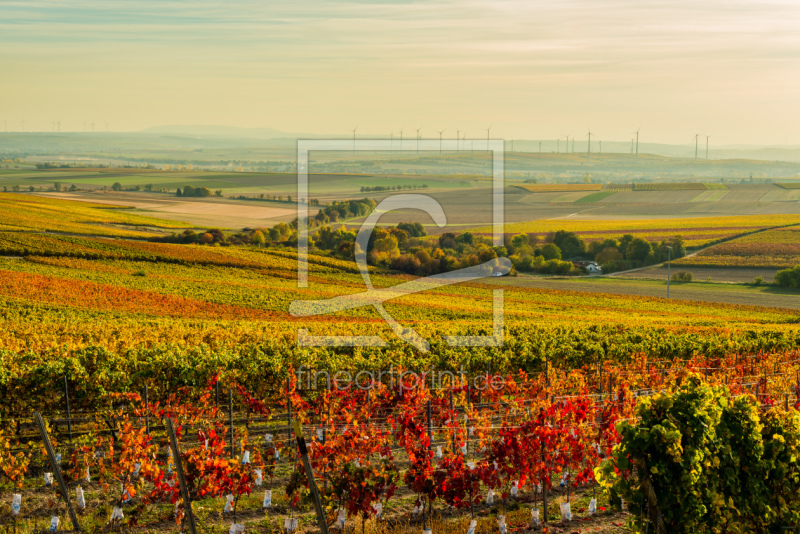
{"points": [[151, 130]]}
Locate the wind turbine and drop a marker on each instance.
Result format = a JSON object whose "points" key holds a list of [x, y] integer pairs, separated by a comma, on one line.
{"points": [[696, 137], [558, 145], [637, 142], [589, 148], [601, 147], [440, 141], [418, 129], [707, 146], [401, 139], [540, 147], [354, 139], [489, 129]]}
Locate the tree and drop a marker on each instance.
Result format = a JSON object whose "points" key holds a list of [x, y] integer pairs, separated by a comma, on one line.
{"points": [[218, 193], [73, 187], [57, 186], [178, 193], [117, 186], [607, 255], [206, 238], [387, 245], [623, 244], [519, 241], [148, 187], [258, 238], [31, 188], [639, 250], [551, 252], [188, 191], [570, 244]]}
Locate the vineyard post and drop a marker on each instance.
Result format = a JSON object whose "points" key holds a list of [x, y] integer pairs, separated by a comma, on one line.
{"points": [[289, 412], [230, 420], [187, 503], [452, 415], [146, 410], [430, 427], [466, 412], [69, 415], [786, 397], [216, 392], [544, 488], [57, 470], [312, 484]]}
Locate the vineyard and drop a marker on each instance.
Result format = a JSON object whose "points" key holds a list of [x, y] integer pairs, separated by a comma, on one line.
{"points": [[406, 450], [779, 249], [554, 188], [35, 213], [696, 232], [115, 340]]}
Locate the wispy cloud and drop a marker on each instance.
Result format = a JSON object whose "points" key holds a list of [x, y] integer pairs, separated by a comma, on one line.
{"points": [[584, 60]]}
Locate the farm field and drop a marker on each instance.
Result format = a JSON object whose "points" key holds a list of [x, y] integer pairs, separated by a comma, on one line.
{"points": [[738, 275], [697, 231], [773, 249], [698, 291]]}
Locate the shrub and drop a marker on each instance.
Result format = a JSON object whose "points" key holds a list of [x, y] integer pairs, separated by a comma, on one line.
{"points": [[759, 280], [788, 277], [698, 462], [682, 276]]}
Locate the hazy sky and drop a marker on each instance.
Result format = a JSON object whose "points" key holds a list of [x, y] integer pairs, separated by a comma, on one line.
{"points": [[530, 69]]}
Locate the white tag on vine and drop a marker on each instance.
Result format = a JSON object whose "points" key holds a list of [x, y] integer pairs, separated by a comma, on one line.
{"points": [[501, 523], [88, 477], [471, 465], [426, 530], [378, 507], [563, 480], [417, 509], [228, 503], [259, 478], [79, 497], [16, 504], [593, 506], [514, 488], [267, 499], [472, 525], [320, 435], [490, 497], [236, 528], [48, 479], [464, 448], [341, 518], [54, 523], [58, 458], [116, 513], [246, 457], [539, 487], [290, 524], [471, 431], [566, 512], [438, 451], [535, 517], [136, 468], [268, 438], [277, 454]]}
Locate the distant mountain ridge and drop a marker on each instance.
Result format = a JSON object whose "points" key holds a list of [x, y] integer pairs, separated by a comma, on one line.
{"points": [[230, 132]]}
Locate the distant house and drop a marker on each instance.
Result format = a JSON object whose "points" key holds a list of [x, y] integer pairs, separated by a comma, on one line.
{"points": [[591, 267]]}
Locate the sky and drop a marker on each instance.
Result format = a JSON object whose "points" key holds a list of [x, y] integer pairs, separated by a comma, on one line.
{"points": [[528, 69]]}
